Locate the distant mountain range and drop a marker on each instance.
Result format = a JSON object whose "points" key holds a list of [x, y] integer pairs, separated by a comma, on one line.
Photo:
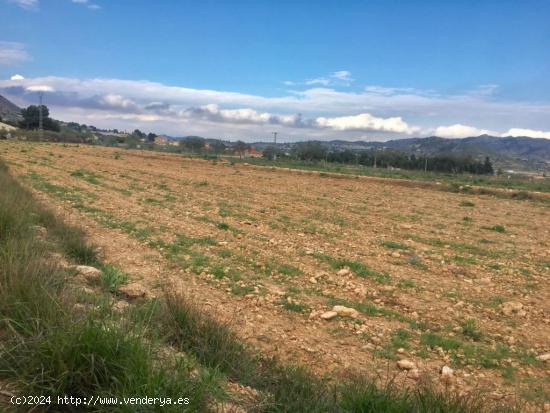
{"points": [[8, 110], [511, 152]]}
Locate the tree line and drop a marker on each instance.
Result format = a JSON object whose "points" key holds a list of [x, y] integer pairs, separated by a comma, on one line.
{"points": [[314, 151]]}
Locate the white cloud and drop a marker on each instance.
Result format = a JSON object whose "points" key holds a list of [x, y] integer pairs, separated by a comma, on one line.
{"points": [[318, 81], [26, 4], [13, 53], [338, 78], [366, 122], [212, 112], [460, 131], [91, 6], [40, 88], [17, 77], [315, 113], [527, 132]]}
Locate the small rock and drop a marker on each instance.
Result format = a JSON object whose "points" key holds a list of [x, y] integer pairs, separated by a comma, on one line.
{"points": [[395, 254], [447, 374], [313, 280], [90, 273], [345, 311], [120, 305], [512, 307], [343, 272], [329, 315], [406, 364], [543, 357], [133, 291], [414, 374]]}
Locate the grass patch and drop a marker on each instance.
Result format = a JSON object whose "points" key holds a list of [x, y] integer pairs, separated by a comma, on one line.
{"points": [[394, 245], [496, 228], [112, 278], [357, 267], [470, 330], [87, 176]]}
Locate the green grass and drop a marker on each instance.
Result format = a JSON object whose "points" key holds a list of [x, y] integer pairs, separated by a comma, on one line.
{"points": [[289, 270], [223, 226], [470, 330], [452, 182], [357, 267], [394, 245], [496, 228], [294, 307], [112, 278], [87, 176], [48, 347]]}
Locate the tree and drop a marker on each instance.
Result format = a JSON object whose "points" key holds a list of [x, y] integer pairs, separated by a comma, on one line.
{"points": [[193, 143], [488, 166], [241, 148], [270, 152], [151, 137], [31, 118], [139, 134], [218, 147], [310, 151]]}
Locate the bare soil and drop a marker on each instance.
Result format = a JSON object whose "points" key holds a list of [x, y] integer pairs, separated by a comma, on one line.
{"points": [[431, 273]]}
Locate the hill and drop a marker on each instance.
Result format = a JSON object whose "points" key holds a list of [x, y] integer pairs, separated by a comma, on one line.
{"points": [[511, 152], [8, 110]]}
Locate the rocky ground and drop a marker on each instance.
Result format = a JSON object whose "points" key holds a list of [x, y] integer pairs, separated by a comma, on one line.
{"points": [[338, 274]]}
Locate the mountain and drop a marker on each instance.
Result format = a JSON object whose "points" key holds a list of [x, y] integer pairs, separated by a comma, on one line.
{"points": [[8, 110], [509, 152]]}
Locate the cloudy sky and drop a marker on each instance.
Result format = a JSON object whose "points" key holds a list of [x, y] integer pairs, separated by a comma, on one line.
{"points": [[307, 70]]}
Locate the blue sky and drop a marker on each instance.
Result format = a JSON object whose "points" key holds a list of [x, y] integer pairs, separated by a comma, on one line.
{"points": [[319, 70]]}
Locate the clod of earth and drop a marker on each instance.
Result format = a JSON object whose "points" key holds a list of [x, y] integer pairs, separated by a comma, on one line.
{"points": [[406, 364], [133, 291], [345, 311], [90, 273], [329, 315], [513, 307]]}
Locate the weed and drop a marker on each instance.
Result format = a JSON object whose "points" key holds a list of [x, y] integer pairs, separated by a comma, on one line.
{"points": [[293, 306], [394, 245], [470, 330], [112, 278], [87, 176], [358, 268], [468, 204], [223, 226]]}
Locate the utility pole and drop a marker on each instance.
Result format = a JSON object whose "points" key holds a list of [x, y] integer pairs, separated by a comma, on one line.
{"points": [[426, 165], [275, 146], [40, 116], [375, 159]]}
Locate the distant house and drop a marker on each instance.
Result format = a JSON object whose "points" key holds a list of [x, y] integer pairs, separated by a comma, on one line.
{"points": [[161, 140], [253, 153]]}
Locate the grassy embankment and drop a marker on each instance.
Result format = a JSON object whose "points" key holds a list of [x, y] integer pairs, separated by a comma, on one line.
{"points": [[57, 338]]}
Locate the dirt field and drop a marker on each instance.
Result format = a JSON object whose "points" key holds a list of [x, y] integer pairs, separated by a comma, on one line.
{"points": [[436, 278]]}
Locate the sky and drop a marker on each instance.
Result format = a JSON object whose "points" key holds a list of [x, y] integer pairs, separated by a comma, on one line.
{"points": [[352, 70]]}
